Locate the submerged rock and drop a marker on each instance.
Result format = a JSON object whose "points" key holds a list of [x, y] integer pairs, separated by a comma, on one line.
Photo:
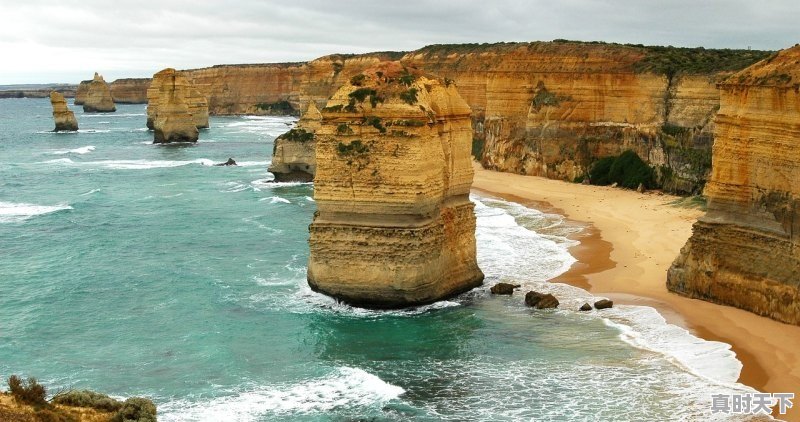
{"points": [[394, 226], [585, 307], [541, 300], [293, 154], [604, 304], [503, 288], [98, 96], [63, 116]]}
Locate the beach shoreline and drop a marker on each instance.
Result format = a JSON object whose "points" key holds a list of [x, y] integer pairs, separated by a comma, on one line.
{"points": [[629, 242]]}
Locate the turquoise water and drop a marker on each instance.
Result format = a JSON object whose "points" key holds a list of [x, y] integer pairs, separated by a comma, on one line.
{"points": [[135, 269]]}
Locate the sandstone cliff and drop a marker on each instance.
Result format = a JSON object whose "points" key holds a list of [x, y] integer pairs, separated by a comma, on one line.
{"points": [[98, 96], [81, 91], [745, 251], [395, 226], [62, 115], [172, 108], [293, 154], [195, 101], [130, 90]]}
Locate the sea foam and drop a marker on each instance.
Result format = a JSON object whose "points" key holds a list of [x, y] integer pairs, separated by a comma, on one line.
{"points": [[11, 212]]}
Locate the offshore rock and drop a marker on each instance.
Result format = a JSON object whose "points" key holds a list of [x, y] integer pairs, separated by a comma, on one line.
{"points": [[503, 288], [293, 155], [98, 96], [62, 115], [745, 251], [230, 162], [81, 91], [196, 103], [173, 122], [604, 304], [585, 307], [541, 300], [394, 226]]}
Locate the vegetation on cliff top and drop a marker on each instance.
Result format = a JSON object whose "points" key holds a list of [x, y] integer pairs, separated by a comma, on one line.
{"points": [[297, 135]]}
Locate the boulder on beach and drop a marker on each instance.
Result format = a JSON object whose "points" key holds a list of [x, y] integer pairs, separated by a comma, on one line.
{"points": [[603, 304], [503, 288], [541, 300], [586, 307]]}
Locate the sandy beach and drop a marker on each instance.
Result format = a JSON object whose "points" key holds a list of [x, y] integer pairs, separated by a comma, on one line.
{"points": [[625, 253]]}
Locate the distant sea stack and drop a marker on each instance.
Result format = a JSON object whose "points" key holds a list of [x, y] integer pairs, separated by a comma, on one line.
{"points": [[293, 154], [81, 91], [63, 116], [395, 226], [172, 119], [745, 251], [196, 102], [98, 97]]}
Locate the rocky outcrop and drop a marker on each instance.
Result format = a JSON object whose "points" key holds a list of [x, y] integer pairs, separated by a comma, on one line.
{"points": [[293, 154], [503, 288], [172, 119], [604, 304], [196, 102], [541, 300], [394, 226], [62, 115], [81, 91], [130, 90], [745, 251], [98, 96]]}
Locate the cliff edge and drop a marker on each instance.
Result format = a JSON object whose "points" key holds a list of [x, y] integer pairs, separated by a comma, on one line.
{"points": [[745, 251], [395, 226]]}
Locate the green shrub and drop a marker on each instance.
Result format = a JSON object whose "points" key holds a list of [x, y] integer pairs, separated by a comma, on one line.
{"points": [[136, 409], [628, 171], [545, 98], [375, 122], [353, 148], [407, 79], [361, 94], [278, 107], [358, 80], [298, 135], [335, 109], [477, 148], [85, 398], [409, 96], [598, 174], [343, 129], [674, 130], [30, 392]]}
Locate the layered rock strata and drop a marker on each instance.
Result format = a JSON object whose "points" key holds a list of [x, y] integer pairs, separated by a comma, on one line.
{"points": [[130, 90], [745, 251], [195, 101], [81, 91], [98, 96], [173, 120], [395, 226], [62, 115], [293, 154]]}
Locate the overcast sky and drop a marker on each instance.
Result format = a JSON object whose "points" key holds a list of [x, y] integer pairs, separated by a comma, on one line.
{"points": [[66, 41]]}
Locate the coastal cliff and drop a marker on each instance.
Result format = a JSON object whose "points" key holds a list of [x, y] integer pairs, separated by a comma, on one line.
{"points": [[64, 117], [196, 102], [395, 226], [130, 90], [293, 154], [98, 96], [745, 251]]}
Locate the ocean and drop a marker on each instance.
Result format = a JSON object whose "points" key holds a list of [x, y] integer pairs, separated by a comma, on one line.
{"points": [[135, 269]]}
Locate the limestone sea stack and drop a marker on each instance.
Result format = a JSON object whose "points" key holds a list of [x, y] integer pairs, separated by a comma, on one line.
{"points": [[63, 116], [745, 251], [197, 103], [293, 154], [98, 96], [81, 91], [394, 226], [173, 122]]}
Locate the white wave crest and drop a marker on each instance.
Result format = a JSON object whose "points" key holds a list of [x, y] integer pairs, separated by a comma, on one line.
{"points": [[275, 200], [344, 388], [82, 150], [11, 212]]}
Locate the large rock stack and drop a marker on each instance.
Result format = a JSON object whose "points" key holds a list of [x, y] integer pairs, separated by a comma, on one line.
{"points": [[195, 102], [62, 115], [395, 226], [98, 96], [172, 122], [745, 251], [293, 155]]}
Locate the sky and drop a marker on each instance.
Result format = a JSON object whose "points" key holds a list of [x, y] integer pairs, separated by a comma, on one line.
{"points": [[67, 41]]}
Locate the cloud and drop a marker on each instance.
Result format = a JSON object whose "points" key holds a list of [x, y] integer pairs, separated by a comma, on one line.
{"points": [[48, 39]]}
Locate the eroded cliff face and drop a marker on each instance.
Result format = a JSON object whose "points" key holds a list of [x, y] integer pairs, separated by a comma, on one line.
{"points": [[395, 226], [172, 108], [81, 91], [745, 251], [194, 100], [98, 96], [130, 90], [62, 115], [293, 154]]}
